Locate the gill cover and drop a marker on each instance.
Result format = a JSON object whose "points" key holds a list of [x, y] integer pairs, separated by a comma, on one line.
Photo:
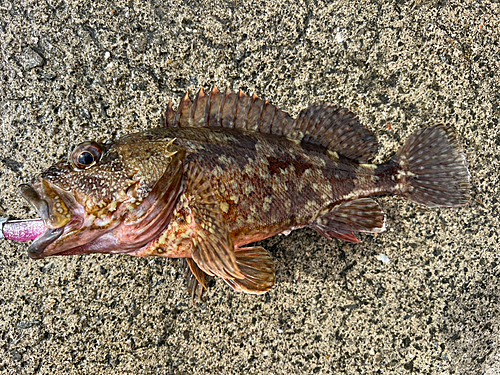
{"points": [[145, 222]]}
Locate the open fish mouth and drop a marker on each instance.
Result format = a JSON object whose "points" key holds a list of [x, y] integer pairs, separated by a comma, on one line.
{"points": [[54, 206]]}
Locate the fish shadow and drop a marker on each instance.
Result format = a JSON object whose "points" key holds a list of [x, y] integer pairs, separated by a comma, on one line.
{"points": [[305, 255]]}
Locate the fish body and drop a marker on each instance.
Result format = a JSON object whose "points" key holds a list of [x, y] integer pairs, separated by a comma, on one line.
{"points": [[267, 184], [227, 170]]}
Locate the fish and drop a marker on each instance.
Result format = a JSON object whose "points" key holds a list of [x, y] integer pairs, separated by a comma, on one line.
{"points": [[226, 170]]}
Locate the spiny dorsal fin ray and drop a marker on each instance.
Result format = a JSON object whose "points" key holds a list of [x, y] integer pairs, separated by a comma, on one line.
{"points": [[168, 116], [182, 117], [199, 107], [212, 247], [228, 113], [215, 107], [242, 111], [257, 266], [335, 129]]}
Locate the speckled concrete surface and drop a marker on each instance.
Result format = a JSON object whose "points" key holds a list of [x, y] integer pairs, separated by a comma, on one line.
{"points": [[71, 71]]}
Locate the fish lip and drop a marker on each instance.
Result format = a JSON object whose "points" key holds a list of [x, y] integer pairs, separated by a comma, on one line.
{"points": [[36, 249]]}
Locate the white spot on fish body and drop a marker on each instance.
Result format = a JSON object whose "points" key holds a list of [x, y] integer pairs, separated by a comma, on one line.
{"points": [[350, 196], [224, 207], [333, 155], [248, 189]]}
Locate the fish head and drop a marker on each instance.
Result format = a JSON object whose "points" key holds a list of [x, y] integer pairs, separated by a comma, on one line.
{"points": [[106, 198]]}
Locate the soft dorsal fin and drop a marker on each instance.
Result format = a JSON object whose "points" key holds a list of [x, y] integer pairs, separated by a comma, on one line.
{"points": [[335, 129]]}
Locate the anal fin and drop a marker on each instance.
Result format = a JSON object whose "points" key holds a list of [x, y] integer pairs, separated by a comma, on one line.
{"points": [[359, 215], [331, 234], [257, 268]]}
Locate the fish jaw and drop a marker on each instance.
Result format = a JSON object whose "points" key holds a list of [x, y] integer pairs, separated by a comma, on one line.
{"points": [[70, 230], [77, 232], [59, 211]]}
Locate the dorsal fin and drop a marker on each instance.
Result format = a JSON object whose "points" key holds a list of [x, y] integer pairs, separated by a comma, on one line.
{"points": [[182, 117], [228, 110], [168, 116], [335, 129]]}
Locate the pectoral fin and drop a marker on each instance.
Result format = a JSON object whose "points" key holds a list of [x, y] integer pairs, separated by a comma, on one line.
{"points": [[212, 247], [360, 215], [257, 266]]}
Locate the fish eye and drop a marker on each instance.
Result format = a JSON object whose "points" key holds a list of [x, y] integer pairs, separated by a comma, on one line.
{"points": [[86, 155]]}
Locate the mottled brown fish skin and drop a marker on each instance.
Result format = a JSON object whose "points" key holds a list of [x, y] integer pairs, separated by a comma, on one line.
{"points": [[268, 184], [227, 170]]}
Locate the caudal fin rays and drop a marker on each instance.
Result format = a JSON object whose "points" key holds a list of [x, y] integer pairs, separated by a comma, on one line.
{"points": [[433, 169]]}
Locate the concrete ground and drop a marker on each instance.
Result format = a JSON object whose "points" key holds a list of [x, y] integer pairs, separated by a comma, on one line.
{"points": [[72, 71]]}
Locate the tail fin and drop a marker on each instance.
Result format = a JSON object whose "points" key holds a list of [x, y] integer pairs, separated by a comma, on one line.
{"points": [[432, 168]]}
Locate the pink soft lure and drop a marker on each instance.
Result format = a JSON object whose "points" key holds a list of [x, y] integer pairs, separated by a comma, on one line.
{"points": [[21, 230]]}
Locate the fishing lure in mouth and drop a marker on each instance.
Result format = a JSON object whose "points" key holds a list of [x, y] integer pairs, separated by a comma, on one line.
{"points": [[224, 171], [21, 230]]}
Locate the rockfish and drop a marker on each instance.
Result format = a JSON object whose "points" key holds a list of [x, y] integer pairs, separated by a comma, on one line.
{"points": [[226, 170]]}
